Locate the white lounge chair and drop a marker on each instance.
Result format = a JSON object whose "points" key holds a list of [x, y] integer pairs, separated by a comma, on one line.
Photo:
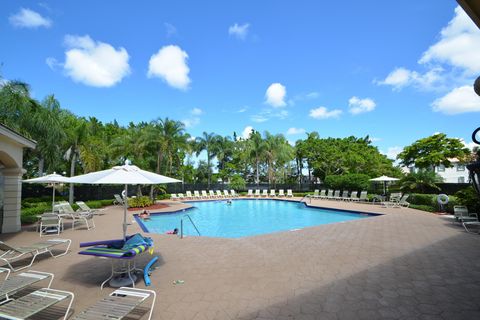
{"points": [[289, 193], [50, 224], [403, 201], [11, 254], [461, 214], [20, 281], [211, 194], [118, 305], [363, 197], [329, 194], [469, 224], [272, 193], [219, 194], [265, 193], [204, 194], [196, 194], [233, 193], [118, 199], [257, 193], [173, 196], [67, 211], [322, 194], [353, 196], [336, 195], [27, 306], [315, 194], [225, 194], [189, 195], [181, 196], [250, 193], [281, 193], [345, 196]]}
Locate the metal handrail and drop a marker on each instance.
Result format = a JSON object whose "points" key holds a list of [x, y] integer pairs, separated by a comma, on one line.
{"points": [[181, 225]]}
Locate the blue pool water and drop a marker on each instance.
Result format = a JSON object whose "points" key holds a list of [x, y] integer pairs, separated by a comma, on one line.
{"points": [[246, 218]]}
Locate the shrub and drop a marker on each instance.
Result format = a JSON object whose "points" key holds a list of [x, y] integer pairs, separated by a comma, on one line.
{"points": [[29, 215], [163, 196], [422, 199], [237, 182], [140, 202], [423, 207], [469, 198], [353, 181]]}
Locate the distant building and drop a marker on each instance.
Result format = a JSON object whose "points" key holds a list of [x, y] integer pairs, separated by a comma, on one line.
{"points": [[458, 173], [11, 171]]}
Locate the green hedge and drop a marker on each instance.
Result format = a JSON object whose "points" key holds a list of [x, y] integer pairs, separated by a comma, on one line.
{"points": [[353, 181], [419, 201]]}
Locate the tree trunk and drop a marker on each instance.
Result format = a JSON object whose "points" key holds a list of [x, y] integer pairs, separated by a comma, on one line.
{"points": [[41, 165], [72, 173], [258, 173], [208, 168]]}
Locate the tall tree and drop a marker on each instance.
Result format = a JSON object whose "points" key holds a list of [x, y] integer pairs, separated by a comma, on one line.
{"points": [[430, 152], [256, 148], [208, 143]]}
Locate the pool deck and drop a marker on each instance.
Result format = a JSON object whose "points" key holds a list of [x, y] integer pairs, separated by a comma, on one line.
{"points": [[404, 264]]}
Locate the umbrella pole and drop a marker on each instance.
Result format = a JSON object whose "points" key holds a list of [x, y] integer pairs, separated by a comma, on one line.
{"points": [[125, 199], [53, 198]]}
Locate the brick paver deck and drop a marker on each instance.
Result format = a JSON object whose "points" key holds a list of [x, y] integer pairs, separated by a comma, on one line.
{"points": [[405, 264]]}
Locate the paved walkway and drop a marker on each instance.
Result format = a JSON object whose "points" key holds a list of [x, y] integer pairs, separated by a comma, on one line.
{"points": [[405, 264]]}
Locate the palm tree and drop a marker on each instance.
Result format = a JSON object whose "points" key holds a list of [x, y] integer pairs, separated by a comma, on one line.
{"points": [[76, 137], [256, 148], [420, 180], [207, 142], [277, 153], [49, 132]]}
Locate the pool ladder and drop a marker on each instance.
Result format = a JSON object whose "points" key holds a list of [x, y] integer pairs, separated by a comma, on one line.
{"points": [[193, 224]]}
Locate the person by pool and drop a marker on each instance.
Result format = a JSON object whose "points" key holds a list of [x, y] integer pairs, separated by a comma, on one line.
{"points": [[229, 202], [174, 231], [145, 215]]}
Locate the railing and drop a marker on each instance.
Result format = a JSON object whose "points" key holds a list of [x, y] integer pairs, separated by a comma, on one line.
{"points": [[191, 221]]}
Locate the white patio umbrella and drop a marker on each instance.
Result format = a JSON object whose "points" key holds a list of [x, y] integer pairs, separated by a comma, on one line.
{"points": [[384, 179], [126, 175], [53, 179]]}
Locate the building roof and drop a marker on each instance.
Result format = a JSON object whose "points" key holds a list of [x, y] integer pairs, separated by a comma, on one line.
{"points": [[17, 137], [472, 8]]}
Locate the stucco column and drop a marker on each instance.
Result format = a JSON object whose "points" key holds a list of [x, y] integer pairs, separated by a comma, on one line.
{"points": [[12, 196]]}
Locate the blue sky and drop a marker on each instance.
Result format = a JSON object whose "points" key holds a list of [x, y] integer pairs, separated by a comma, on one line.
{"points": [[395, 70]]}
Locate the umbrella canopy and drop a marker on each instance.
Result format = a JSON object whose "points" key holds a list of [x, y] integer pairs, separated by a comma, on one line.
{"points": [[384, 179], [126, 174], [53, 178]]}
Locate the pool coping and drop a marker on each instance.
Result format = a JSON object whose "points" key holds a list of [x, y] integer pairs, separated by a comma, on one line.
{"points": [[145, 229]]}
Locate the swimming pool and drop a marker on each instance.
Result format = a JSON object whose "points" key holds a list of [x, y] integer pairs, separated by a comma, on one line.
{"points": [[245, 217]]}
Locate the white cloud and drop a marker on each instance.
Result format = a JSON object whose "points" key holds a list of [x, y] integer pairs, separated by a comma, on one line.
{"points": [[323, 113], [194, 119], [191, 122], [357, 105], [94, 63], [170, 64], [242, 110], [246, 132], [392, 152], [196, 111], [239, 31], [375, 139], [52, 63], [459, 100], [170, 29], [293, 131], [258, 118], [312, 95], [459, 44], [27, 18], [401, 77], [275, 95]]}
